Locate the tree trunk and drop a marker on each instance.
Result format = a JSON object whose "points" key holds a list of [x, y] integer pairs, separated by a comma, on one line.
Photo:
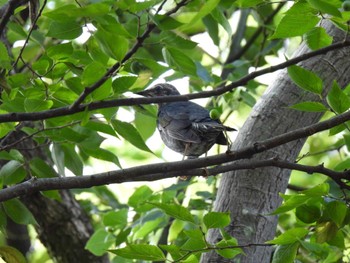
{"points": [[63, 226], [250, 195]]}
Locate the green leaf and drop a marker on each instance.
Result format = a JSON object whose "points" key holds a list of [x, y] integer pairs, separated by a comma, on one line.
{"points": [[325, 231], [176, 211], [104, 91], [318, 38], [326, 6], [229, 252], [93, 72], [285, 253], [72, 160], [318, 190], [173, 40], [117, 219], [101, 154], [70, 12], [336, 211], [166, 22], [148, 227], [219, 16], [5, 61], [140, 195], [299, 19], [180, 61], [58, 158], [99, 242], [212, 28], [140, 251], [129, 133], [60, 51], [247, 98], [308, 213], [248, 3], [11, 255], [12, 172], [290, 236], [18, 212], [337, 99], [346, 138], [196, 240], [306, 79], [291, 203], [35, 105], [65, 30], [5, 128], [216, 219], [123, 84], [115, 46], [310, 106], [41, 169], [208, 6]]}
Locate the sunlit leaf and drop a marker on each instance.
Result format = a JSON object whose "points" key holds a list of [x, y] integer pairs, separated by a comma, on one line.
{"points": [[140, 251], [306, 79], [290, 236], [129, 133]]}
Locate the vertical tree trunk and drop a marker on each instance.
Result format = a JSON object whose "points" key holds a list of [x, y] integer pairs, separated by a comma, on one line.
{"points": [[63, 226], [251, 195]]}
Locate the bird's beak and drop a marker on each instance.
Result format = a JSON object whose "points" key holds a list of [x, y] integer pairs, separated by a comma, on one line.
{"points": [[143, 93]]}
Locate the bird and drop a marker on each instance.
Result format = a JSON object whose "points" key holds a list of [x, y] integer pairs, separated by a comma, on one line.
{"points": [[184, 126]]}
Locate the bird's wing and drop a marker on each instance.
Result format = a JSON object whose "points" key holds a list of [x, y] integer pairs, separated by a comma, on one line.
{"points": [[176, 120]]}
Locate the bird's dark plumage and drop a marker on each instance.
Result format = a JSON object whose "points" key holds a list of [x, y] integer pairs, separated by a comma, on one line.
{"points": [[184, 126]]}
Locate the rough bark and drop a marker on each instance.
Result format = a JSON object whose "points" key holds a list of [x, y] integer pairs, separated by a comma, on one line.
{"points": [[63, 226], [251, 195]]}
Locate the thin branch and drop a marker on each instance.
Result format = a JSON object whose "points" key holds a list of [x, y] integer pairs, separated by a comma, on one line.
{"points": [[68, 110], [29, 34], [193, 167], [139, 42], [193, 251], [24, 138], [256, 34], [7, 11]]}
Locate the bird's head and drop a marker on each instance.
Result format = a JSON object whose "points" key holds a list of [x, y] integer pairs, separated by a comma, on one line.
{"points": [[159, 90]]}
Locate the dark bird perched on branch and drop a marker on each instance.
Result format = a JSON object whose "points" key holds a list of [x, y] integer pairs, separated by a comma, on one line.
{"points": [[184, 126]]}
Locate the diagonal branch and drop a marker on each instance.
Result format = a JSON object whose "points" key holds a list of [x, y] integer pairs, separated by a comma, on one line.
{"points": [[140, 40], [7, 11], [192, 167], [68, 110]]}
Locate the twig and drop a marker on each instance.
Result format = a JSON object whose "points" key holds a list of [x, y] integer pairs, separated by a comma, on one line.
{"points": [[11, 145], [63, 111], [29, 34]]}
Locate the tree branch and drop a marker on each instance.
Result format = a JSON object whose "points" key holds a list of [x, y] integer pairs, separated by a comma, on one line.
{"points": [[68, 110], [191, 167], [129, 54], [237, 54], [29, 34], [7, 11]]}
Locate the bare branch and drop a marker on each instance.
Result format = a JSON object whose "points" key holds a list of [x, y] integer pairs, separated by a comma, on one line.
{"points": [[193, 167], [68, 110]]}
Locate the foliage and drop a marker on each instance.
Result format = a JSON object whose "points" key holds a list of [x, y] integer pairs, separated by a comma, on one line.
{"points": [[84, 52]]}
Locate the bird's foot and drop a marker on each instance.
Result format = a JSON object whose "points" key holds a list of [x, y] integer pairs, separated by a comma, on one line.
{"points": [[205, 172]]}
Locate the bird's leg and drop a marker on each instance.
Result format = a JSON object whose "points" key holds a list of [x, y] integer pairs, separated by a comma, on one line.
{"points": [[229, 142], [185, 151]]}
